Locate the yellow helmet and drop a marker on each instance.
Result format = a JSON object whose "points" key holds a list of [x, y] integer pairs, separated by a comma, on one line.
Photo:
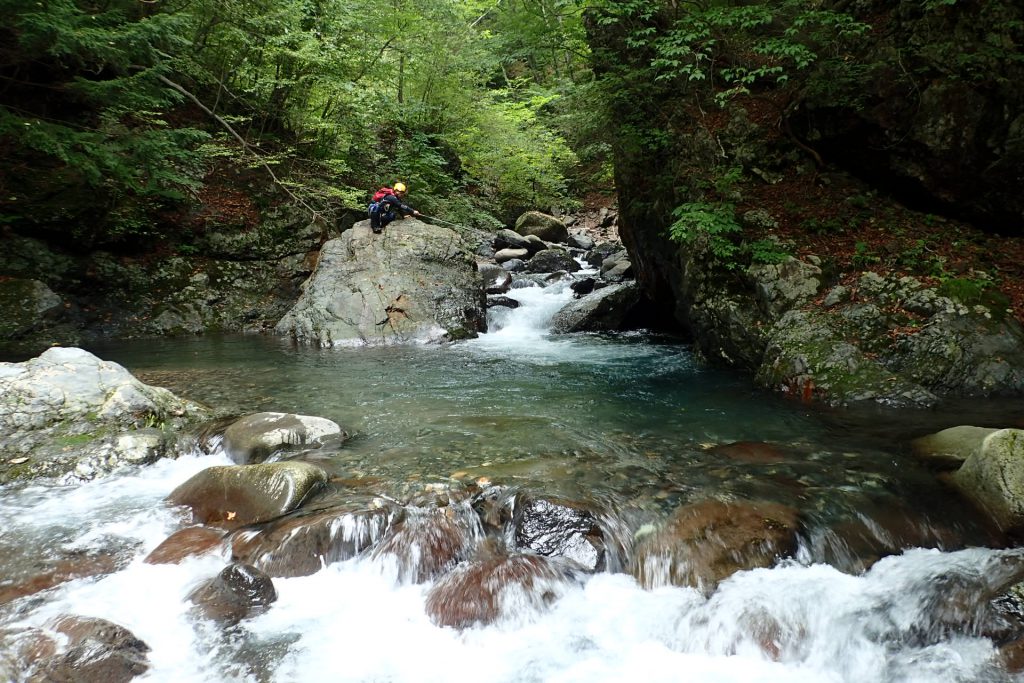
{"points": [[399, 187]]}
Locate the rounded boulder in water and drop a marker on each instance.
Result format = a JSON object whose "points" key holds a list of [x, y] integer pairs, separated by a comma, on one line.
{"points": [[230, 496], [498, 583], [97, 651], [239, 591], [255, 437]]}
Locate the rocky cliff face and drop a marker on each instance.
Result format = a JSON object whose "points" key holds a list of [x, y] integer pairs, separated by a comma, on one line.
{"points": [[939, 118], [930, 119]]}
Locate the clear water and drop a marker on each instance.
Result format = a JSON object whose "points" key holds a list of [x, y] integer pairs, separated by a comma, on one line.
{"points": [[631, 421]]}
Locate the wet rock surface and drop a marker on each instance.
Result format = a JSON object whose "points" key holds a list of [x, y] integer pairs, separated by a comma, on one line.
{"points": [[185, 543], [306, 541], [231, 496], [556, 528], [703, 543], [238, 592], [252, 438], [96, 651], [480, 591]]}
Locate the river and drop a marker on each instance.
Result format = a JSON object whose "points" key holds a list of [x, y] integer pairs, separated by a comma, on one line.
{"points": [[631, 422]]}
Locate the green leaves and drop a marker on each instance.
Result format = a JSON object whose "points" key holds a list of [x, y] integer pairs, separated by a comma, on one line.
{"points": [[713, 223], [732, 48]]}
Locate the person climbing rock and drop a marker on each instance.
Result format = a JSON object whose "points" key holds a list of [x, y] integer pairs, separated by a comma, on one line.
{"points": [[387, 204]]}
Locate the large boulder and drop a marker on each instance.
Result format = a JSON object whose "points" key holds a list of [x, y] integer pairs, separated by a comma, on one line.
{"points": [[547, 228], [230, 496], [551, 261], [601, 310], [68, 396], [993, 477], [898, 343], [253, 438], [808, 358], [414, 282], [949, 448]]}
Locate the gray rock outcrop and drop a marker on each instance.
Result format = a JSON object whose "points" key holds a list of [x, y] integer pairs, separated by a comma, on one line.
{"points": [[68, 396], [414, 282], [23, 305]]}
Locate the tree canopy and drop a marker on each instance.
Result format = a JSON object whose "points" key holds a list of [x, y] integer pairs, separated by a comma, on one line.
{"points": [[122, 107]]}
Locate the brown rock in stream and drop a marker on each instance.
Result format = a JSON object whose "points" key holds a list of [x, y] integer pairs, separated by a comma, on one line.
{"points": [[239, 591], [65, 569], [235, 495], [304, 542], [427, 542], [97, 651], [479, 591], [196, 540], [706, 542]]}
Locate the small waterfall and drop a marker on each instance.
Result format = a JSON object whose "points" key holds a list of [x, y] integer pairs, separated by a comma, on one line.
{"points": [[525, 328]]}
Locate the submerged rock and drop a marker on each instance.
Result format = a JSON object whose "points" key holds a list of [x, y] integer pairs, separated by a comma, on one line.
{"points": [[76, 565], [231, 496], [196, 540], [426, 542], [413, 282]]}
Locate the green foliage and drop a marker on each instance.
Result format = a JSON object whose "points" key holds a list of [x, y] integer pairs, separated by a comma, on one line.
{"points": [[712, 223], [463, 100], [734, 48], [972, 291], [863, 255], [824, 226], [508, 152], [767, 251]]}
